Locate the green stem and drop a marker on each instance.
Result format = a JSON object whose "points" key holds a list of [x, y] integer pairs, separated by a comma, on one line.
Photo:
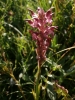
{"points": [[37, 82]]}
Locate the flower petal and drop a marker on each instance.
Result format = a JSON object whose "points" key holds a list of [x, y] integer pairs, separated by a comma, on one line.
{"points": [[29, 21], [34, 35], [48, 13], [31, 12]]}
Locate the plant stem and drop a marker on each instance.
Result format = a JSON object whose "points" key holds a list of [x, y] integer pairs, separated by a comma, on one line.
{"points": [[19, 87], [37, 81]]}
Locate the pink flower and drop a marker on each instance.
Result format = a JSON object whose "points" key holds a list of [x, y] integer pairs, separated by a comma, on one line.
{"points": [[42, 21]]}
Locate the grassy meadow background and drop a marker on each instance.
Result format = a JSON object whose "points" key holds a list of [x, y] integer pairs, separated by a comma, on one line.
{"points": [[18, 63]]}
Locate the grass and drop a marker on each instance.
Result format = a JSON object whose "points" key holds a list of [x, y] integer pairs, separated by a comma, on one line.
{"points": [[18, 57]]}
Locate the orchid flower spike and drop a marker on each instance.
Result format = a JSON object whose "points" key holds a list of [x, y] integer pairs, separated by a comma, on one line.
{"points": [[42, 21]]}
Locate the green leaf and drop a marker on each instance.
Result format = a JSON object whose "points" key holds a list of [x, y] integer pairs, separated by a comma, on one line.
{"points": [[50, 91], [70, 71]]}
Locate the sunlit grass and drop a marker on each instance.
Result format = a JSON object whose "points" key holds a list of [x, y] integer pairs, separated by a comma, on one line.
{"points": [[18, 55]]}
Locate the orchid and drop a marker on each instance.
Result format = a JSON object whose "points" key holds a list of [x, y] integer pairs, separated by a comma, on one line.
{"points": [[42, 21]]}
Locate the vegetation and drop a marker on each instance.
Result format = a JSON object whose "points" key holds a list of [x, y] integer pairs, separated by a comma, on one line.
{"points": [[21, 78]]}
